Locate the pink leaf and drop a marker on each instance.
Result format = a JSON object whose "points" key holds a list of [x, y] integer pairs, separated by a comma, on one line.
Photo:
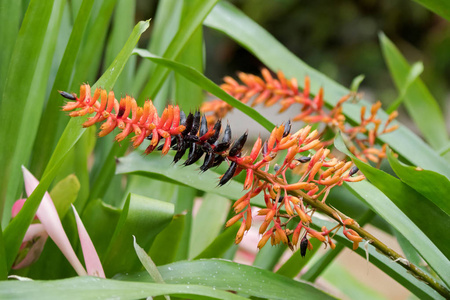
{"points": [[48, 216], [91, 259]]}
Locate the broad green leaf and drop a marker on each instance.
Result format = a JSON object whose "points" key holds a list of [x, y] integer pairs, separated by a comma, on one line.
{"points": [[15, 231], [53, 121], [385, 264], [440, 7], [98, 288], [386, 208], [64, 194], [227, 275], [142, 217], [189, 24], [418, 100], [161, 168], [430, 184], [167, 243], [211, 215], [199, 79], [148, 264], [98, 214], [229, 20], [296, 262], [221, 243], [20, 100]]}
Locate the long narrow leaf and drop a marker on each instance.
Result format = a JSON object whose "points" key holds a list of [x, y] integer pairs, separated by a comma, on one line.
{"points": [[95, 288], [199, 79], [189, 25], [245, 279], [52, 122], [417, 98], [441, 7], [15, 106], [431, 185], [141, 217]]}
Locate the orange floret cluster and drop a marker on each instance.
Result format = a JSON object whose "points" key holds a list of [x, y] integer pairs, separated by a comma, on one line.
{"points": [[268, 90]]}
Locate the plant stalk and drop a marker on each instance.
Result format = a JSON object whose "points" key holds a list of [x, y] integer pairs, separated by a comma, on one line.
{"points": [[380, 246]]}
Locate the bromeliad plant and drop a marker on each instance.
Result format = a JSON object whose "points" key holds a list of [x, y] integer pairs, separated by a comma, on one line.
{"points": [[192, 133], [288, 178]]}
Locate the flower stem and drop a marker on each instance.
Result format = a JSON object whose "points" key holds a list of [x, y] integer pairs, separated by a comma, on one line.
{"points": [[380, 246]]}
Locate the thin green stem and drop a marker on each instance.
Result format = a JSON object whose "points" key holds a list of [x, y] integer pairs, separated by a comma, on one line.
{"points": [[380, 246]]}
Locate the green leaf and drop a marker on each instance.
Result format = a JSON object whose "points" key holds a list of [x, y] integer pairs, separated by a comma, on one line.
{"points": [[53, 121], [231, 21], [212, 214], [440, 7], [96, 288], [425, 213], [389, 210], [93, 44], [22, 95], [189, 24], [97, 215], [199, 79], [430, 184], [3, 268], [166, 244], [413, 74], [148, 264], [64, 194], [142, 217], [356, 82], [161, 168], [15, 231], [10, 15], [418, 100], [244, 279], [409, 251], [221, 243], [189, 96], [165, 26]]}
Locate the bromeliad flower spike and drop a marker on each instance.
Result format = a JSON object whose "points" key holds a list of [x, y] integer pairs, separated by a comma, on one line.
{"points": [[191, 133], [285, 202], [268, 90]]}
